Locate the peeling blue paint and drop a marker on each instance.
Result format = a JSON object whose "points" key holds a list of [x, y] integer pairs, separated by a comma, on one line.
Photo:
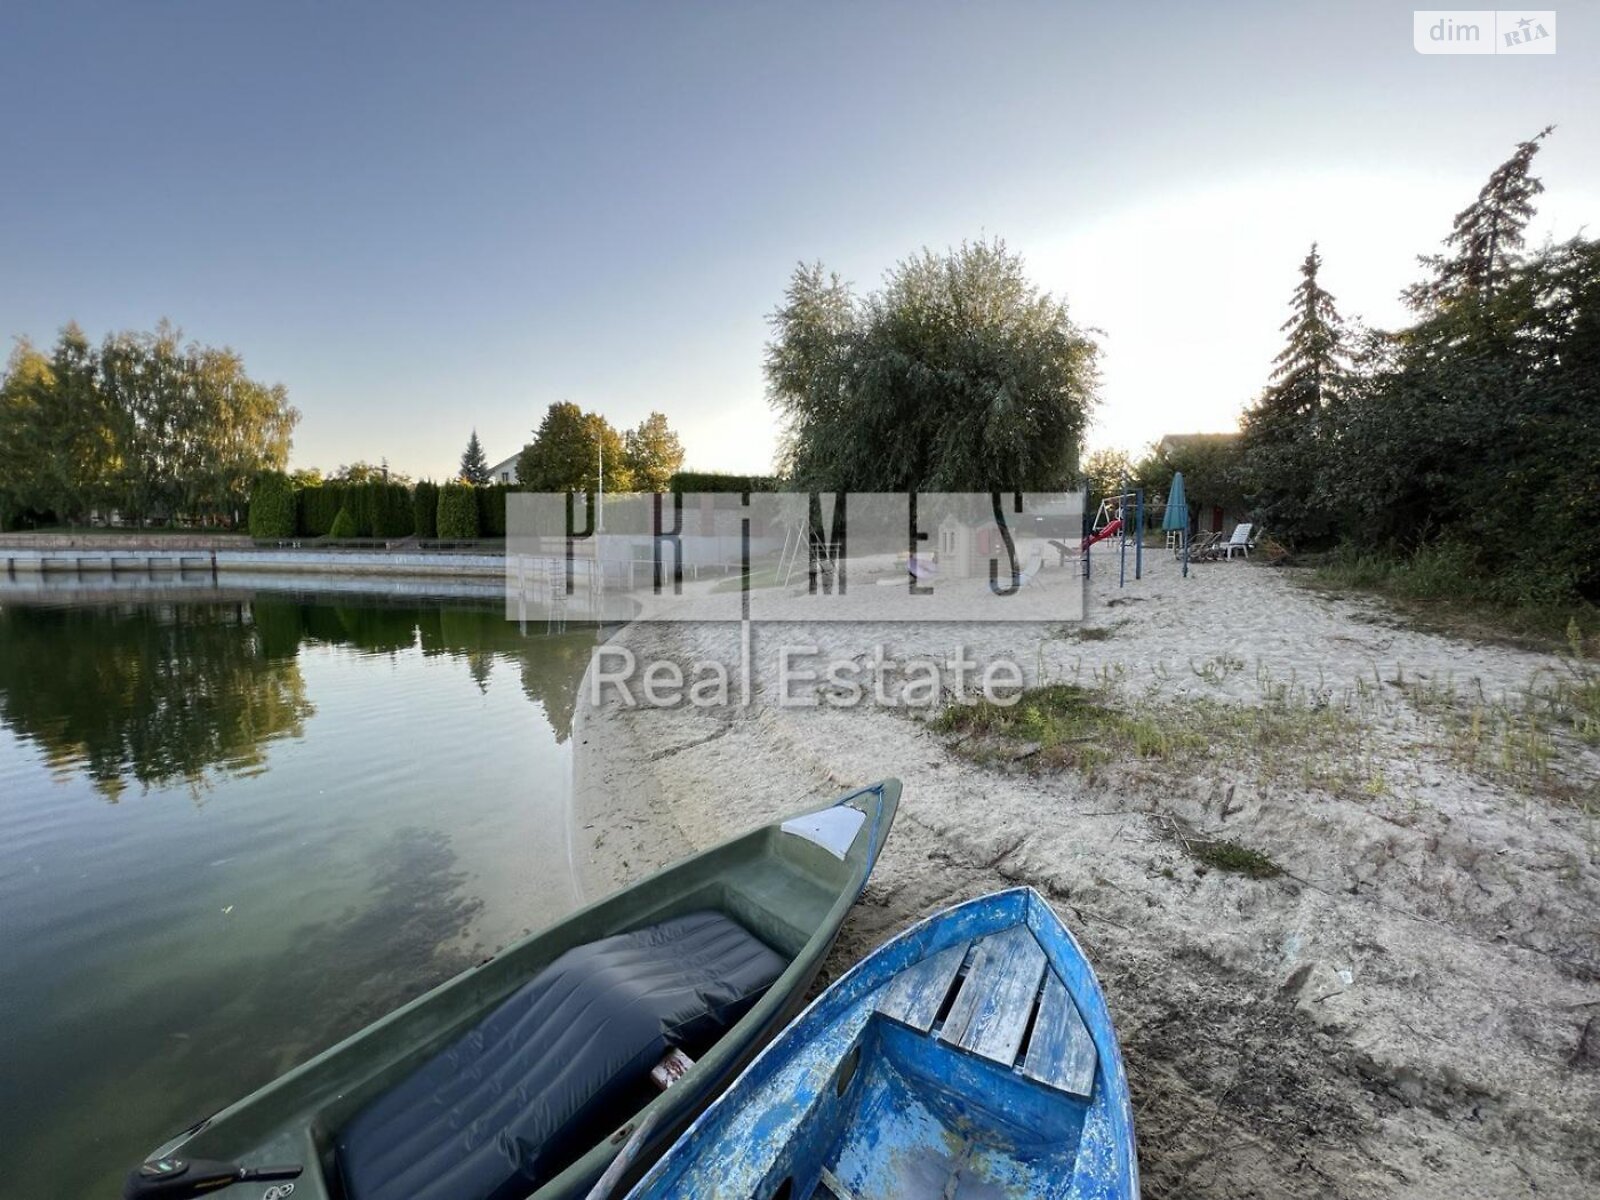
{"points": [[889, 1111]]}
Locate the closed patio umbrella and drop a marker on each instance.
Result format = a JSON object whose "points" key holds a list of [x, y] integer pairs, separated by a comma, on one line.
{"points": [[1177, 516]]}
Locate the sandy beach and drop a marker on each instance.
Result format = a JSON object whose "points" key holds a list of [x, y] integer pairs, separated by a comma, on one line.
{"points": [[1403, 1001]]}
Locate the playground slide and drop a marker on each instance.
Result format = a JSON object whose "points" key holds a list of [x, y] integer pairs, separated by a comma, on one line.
{"points": [[1110, 530]]}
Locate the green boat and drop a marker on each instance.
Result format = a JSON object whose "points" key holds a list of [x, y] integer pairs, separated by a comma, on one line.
{"points": [[522, 1078]]}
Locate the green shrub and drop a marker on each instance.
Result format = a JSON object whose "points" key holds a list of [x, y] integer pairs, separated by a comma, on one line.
{"points": [[359, 500], [344, 526], [458, 511], [425, 509], [492, 509], [389, 505], [318, 508], [690, 482], [272, 507]]}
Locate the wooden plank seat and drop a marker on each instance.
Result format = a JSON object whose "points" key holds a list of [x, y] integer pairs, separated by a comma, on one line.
{"points": [[1061, 1053], [1008, 1007], [916, 996]]}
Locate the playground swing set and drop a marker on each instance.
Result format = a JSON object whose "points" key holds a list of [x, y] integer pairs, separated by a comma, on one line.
{"points": [[1119, 517], [1112, 521]]}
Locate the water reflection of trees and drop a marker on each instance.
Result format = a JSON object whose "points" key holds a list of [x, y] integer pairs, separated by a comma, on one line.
{"points": [[551, 665], [165, 693], [153, 694]]}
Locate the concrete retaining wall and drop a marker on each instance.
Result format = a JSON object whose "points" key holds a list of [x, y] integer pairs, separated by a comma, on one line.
{"points": [[334, 562]]}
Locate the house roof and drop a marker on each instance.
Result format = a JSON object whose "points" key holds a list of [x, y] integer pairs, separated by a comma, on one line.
{"points": [[507, 465], [1172, 440]]}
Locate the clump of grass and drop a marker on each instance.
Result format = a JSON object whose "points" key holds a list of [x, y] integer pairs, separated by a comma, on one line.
{"points": [[1050, 714], [1216, 669], [1091, 633], [1072, 726], [1513, 741], [1577, 696], [1579, 700], [1223, 855]]}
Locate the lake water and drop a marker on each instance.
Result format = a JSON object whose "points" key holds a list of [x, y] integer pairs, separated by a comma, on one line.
{"points": [[237, 824]]}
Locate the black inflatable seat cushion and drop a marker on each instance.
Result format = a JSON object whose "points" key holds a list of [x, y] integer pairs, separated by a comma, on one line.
{"points": [[526, 1090]]}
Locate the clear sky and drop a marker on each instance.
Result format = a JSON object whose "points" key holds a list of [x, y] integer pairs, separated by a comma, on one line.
{"points": [[422, 219]]}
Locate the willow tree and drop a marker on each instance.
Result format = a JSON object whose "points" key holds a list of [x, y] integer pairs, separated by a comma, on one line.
{"points": [[144, 424], [958, 375]]}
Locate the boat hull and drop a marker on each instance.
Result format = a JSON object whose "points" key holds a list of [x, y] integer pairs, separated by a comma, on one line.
{"points": [[790, 884], [970, 1058]]}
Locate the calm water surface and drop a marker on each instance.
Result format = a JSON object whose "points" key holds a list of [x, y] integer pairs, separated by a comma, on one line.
{"points": [[237, 825]]}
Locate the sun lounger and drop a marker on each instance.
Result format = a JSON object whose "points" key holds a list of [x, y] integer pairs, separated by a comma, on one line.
{"points": [[1240, 541]]}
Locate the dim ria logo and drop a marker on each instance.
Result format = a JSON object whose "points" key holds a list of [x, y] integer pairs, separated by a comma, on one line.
{"points": [[1484, 31]]}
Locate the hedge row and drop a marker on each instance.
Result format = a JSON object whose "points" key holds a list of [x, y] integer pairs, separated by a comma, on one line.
{"points": [[425, 509], [492, 509], [376, 510], [458, 511], [272, 507], [392, 510], [690, 482]]}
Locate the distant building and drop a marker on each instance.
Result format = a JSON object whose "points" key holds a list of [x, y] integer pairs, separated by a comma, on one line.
{"points": [[505, 472], [1191, 441]]}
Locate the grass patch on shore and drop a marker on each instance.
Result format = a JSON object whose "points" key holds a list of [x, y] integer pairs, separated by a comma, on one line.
{"points": [[1223, 855], [1518, 742], [1079, 632], [1436, 590], [1539, 743], [1068, 725], [1064, 725], [122, 531]]}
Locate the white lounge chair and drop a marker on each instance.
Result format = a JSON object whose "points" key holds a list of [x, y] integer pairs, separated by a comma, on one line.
{"points": [[1240, 541]]}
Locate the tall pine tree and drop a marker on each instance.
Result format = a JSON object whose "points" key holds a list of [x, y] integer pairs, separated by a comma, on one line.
{"points": [[1486, 236], [474, 465], [1286, 435], [1307, 372]]}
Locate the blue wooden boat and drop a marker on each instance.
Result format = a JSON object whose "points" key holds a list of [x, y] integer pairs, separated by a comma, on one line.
{"points": [[970, 1058]]}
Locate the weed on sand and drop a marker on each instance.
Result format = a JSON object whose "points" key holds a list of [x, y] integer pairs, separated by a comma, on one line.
{"points": [[1533, 741], [1223, 855], [1068, 726]]}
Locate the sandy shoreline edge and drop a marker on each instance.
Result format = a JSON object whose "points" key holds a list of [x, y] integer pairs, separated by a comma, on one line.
{"points": [[1407, 1010]]}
